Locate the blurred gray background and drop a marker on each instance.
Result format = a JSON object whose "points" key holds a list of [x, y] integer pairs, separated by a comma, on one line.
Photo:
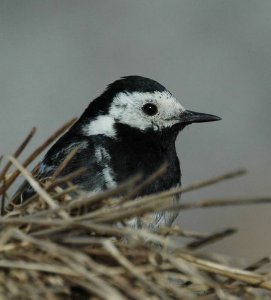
{"points": [[215, 56]]}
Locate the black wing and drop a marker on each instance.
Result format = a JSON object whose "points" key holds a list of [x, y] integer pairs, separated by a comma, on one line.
{"points": [[89, 155]]}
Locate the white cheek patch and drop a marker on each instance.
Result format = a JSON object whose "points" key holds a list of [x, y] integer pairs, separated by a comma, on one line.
{"points": [[126, 108], [103, 124]]}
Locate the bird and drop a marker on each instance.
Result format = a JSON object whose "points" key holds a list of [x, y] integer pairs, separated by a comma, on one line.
{"points": [[130, 128]]}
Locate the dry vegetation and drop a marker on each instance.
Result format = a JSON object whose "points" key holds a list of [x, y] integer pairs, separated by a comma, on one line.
{"points": [[67, 244]]}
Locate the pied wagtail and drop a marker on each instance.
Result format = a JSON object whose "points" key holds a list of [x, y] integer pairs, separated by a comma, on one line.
{"points": [[130, 128]]}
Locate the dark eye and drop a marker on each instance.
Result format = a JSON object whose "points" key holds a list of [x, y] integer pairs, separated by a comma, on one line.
{"points": [[150, 109]]}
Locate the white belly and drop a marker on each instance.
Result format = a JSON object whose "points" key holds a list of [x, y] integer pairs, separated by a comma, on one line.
{"points": [[156, 219]]}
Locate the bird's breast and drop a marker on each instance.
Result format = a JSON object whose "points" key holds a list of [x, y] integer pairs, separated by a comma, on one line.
{"points": [[145, 157]]}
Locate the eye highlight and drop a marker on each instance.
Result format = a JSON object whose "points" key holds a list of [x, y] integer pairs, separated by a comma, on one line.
{"points": [[150, 109]]}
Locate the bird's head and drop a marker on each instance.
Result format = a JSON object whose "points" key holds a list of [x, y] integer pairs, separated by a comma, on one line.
{"points": [[140, 103]]}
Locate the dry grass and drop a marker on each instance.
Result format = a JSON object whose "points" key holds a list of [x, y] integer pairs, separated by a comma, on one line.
{"points": [[65, 244]]}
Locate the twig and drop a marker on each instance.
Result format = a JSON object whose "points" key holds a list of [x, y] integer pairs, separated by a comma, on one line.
{"points": [[64, 192], [162, 197], [222, 202], [54, 196], [50, 186], [3, 199], [88, 199], [7, 166], [145, 183], [154, 200], [67, 178], [36, 152], [35, 185], [78, 262], [55, 269], [64, 163], [127, 210], [236, 274], [93, 251], [18, 151], [204, 183], [254, 266], [211, 238], [258, 264], [133, 270], [176, 231]]}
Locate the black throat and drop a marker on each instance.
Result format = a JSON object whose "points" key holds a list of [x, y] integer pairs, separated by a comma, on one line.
{"points": [[135, 151]]}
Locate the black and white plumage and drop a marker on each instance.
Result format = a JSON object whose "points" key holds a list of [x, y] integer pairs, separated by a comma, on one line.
{"points": [[130, 128]]}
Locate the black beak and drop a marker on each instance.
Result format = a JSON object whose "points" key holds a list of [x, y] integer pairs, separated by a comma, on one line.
{"points": [[189, 117]]}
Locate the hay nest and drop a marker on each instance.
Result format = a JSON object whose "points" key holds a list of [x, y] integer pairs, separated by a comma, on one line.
{"points": [[67, 244]]}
